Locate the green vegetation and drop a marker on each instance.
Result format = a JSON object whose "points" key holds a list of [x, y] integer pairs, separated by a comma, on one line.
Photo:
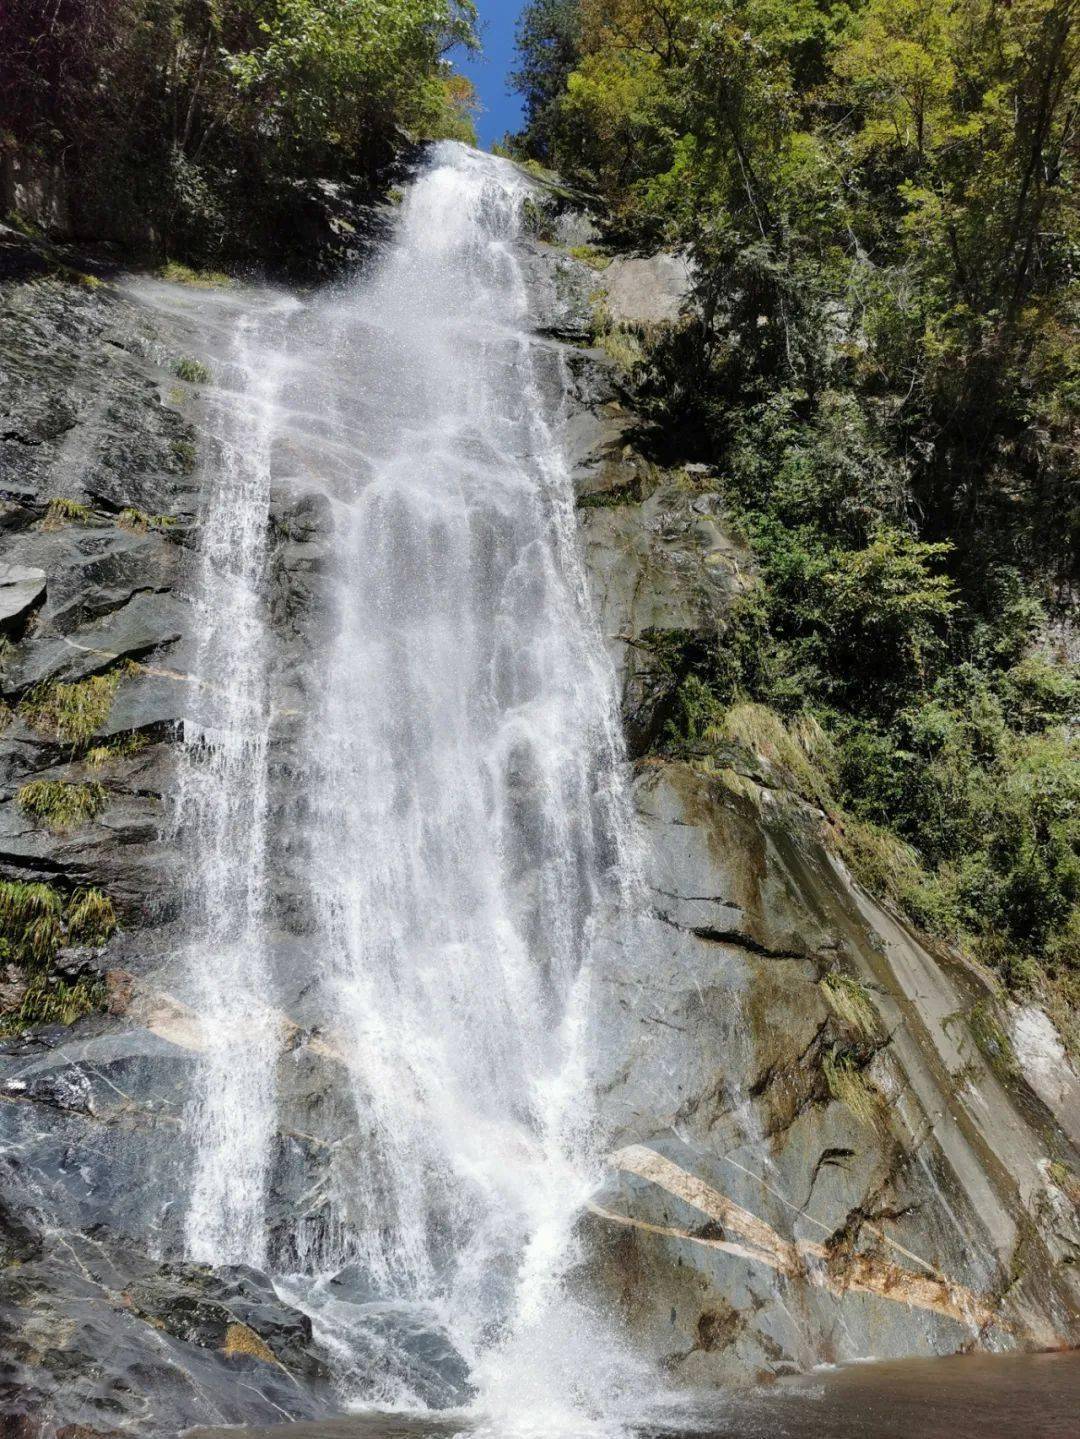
{"points": [[993, 1042], [204, 121], [120, 747], [139, 521], [193, 371], [72, 713], [61, 804], [91, 918], [180, 274], [35, 921], [879, 366], [50, 999], [31, 922], [186, 455], [591, 256], [610, 499], [61, 512]]}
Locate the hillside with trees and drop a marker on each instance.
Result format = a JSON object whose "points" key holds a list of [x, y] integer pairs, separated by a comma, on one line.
{"points": [[184, 127], [878, 367]]}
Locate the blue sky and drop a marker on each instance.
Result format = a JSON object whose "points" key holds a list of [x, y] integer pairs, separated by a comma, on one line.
{"points": [[488, 71]]}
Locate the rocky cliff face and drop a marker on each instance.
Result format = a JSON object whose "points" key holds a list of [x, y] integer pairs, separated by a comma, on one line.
{"points": [[828, 1139], [823, 1142]]}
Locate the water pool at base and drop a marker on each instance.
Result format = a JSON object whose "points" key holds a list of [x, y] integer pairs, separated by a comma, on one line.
{"points": [[971, 1396]]}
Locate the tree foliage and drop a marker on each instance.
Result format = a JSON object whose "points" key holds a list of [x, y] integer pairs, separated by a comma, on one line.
{"points": [[879, 363]]}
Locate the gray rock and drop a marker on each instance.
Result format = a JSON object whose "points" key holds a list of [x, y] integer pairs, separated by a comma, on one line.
{"points": [[744, 1187], [647, 290], [659, 566], [146, 623], [21, 589]]}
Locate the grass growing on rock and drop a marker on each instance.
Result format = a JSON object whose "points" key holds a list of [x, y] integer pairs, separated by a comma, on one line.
{"points": [[120, 747], [621, 343], [31, 921], [91, 917], [799, 751], [61, 804], [994, 1044], [49, 999], [180, 274], [61, 512], [138, 521], [71, 713], [850, 1001], [591, 256], [36, 919], [848, 1085]]}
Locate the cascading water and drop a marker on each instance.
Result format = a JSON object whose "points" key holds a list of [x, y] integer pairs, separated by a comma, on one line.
{"points": [[463, 823], [223, 811]]}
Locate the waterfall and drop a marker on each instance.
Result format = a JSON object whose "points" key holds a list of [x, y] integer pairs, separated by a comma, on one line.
{"points": [[223, 812], [457, 823]]}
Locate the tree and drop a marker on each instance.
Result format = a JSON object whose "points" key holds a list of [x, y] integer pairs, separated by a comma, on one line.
{"points": [[548, 46]]}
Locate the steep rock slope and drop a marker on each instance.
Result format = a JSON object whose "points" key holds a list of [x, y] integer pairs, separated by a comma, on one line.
{"points": [[825, 1144]]}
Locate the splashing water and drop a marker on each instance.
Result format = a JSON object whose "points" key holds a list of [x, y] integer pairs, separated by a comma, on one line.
{"points": [[462, 824]]}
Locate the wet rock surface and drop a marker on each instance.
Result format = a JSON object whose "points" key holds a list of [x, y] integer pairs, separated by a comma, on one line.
{"points": [[99, 1328]]}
